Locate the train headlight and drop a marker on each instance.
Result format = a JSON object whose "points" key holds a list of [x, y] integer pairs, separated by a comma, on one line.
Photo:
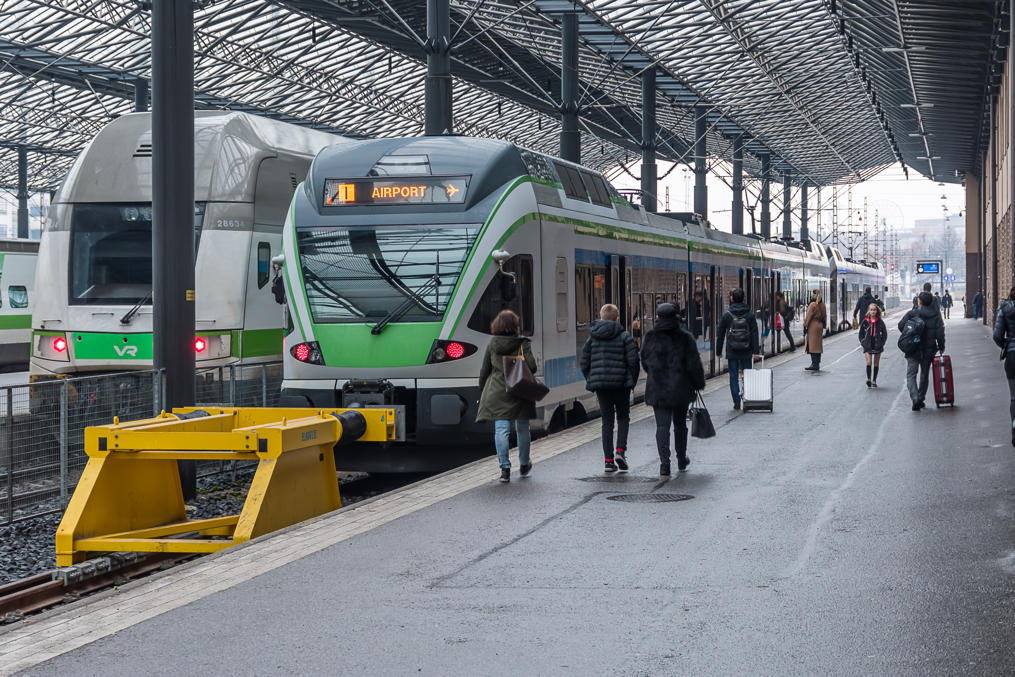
{"points": [[308, 351], [449, 351], [51, 347]]}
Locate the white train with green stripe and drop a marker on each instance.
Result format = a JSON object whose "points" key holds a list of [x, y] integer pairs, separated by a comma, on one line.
{"points": [[398, 253], [93, 298], [17, 295]]}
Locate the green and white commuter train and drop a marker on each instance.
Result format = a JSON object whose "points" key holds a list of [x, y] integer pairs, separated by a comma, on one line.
{"points": [[398, 253], [94, 280], [17, 295]]}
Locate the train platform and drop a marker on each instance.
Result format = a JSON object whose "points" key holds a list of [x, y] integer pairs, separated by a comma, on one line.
{"points": [[841, 534]]}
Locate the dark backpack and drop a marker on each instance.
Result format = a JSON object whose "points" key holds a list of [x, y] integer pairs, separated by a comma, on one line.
{"points": [[790, 313], [912, 335], [738, 339]]}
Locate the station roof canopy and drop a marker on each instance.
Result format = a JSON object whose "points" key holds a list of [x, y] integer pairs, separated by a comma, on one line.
{"points": [[831, 90]]}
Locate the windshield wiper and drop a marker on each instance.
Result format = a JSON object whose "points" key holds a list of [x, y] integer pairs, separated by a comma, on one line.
{"points": [[433, 285], [129, 315]]}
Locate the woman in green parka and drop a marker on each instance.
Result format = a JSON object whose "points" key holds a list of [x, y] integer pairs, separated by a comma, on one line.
{"points": [[496, 403]]}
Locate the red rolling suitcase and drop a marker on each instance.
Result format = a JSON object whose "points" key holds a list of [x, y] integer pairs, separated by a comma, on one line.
{"points": [[941, 373]]}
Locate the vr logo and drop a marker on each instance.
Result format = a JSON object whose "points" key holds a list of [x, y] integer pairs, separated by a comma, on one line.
{"points": [[129, 351]]}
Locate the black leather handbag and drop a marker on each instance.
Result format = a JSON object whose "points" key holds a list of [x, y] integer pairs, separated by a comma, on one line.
{"points": [[519, 380], [701, 422]]}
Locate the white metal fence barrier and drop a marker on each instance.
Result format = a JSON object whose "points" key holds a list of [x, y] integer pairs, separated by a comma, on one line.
{"points": [[42, 425]]}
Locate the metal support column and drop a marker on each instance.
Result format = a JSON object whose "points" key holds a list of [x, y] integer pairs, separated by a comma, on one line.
{"points": [[738, 185], [1011, 142], [438, 118], [766, 199], [993, 211], [570, 137], [804, 235], [787, 198], [140, 96], [22, 192], [173, 205], [700, 162], [649, 189]]}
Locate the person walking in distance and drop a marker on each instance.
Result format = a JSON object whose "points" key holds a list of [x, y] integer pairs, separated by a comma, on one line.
{"points": [[1004, 337], [496, 403], [977, 305], [927, 288], [610, 365], [922, 335], [873, 335], [862, 304], [674, 372], [738, 331], [946, 305], [785, 311], [815, 320]]}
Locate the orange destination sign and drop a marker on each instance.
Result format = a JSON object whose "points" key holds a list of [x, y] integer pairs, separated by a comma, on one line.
{"points": [[425, 190]]}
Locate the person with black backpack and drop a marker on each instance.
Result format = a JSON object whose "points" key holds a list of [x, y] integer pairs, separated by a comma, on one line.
{"points": [[921, 336], [738, 330], [1004, 337]]}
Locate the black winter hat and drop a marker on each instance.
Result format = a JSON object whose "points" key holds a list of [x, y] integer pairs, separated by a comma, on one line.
{"points": [[666, 310]]}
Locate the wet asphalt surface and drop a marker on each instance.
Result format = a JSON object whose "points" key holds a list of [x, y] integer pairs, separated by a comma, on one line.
{"points": [[842, 534]]}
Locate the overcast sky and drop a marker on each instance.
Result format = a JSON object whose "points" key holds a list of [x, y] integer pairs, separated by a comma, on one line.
{"points": [[895, 198]]}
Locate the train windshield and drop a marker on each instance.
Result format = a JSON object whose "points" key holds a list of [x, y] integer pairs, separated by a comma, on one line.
{"points": [[363, 274], [111, 252]]}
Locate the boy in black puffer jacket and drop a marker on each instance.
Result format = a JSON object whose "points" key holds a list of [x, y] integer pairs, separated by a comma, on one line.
{"points": [[609, 363]]}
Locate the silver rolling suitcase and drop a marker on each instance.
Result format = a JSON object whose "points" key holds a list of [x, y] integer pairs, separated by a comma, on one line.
{"points": [[758, 391]]}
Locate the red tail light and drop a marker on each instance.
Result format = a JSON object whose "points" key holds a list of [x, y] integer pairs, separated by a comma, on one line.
{"points": [[60, 344], [200, 344], [455, 350], [308, 351], [446, 351]]}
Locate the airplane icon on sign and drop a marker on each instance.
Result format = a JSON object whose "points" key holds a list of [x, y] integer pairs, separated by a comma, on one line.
{"points": [[450, 190]]}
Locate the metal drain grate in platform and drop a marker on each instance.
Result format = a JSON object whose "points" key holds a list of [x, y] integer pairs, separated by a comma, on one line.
{"points": [[649, 498]]}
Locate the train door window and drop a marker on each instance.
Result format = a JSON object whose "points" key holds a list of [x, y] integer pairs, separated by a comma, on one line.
{"points": [[572, 182], [263, 264], [599, 288], [508, 290], [648, 312], [17, 295], [560, 284], [635, 321]]}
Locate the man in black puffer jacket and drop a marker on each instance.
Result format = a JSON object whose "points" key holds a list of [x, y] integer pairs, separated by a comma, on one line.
{"points": [[932, 340], [671, 360], [609, 363]]}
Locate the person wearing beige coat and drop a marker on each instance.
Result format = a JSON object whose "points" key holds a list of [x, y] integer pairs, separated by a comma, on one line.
{"points": [[815, 320]]}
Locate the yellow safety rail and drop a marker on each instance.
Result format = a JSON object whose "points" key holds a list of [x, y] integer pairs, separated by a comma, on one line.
{"points": [[129, 497]]}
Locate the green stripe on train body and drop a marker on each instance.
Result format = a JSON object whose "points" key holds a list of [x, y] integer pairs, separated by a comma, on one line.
{"points": [[110, 346], [15, 321], [401, 344], [257, 343]]}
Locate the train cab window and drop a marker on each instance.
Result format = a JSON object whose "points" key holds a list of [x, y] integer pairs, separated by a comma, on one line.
{"points": [[597, 189], [263, 264], [507, 293], [538, 166], [572, 182], [17, 295], [111, 252]]}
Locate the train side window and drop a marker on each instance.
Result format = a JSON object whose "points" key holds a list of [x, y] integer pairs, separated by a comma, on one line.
{"points": [[263, 264], [572, 182], [18, 296], [560, 285], [505, 293], [597, 189]]}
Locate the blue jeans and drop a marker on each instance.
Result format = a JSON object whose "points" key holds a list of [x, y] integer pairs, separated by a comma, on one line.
{"points": [[501, 437], [735, 367]]}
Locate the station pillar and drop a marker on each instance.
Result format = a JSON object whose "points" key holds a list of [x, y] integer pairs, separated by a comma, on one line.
{"points": [[140, 95], [700, 162], [804, 235], [787, 215], [738, 185], [438, 119], [173, 207], [649, 189], [22, 192], [570, 137], [766, 213]]}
